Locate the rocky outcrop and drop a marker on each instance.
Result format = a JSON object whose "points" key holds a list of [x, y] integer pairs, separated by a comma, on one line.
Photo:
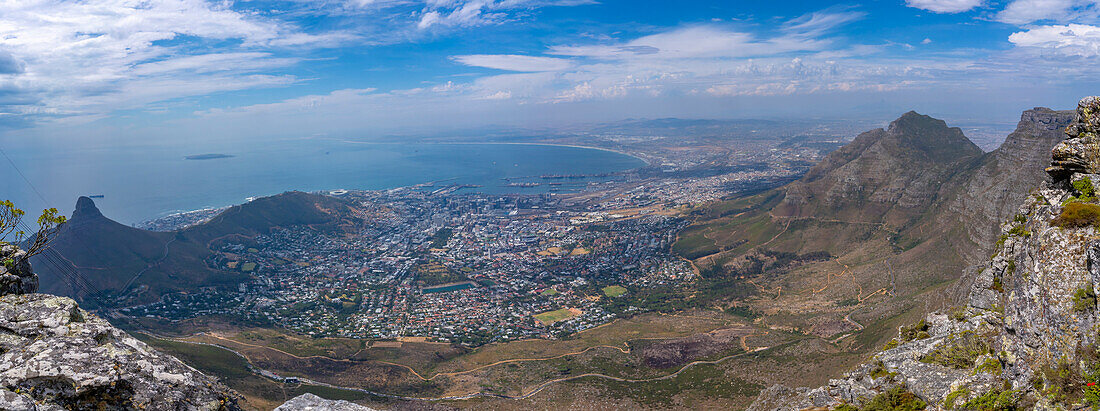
{"points": [[310, 402], [54, 355], [16, 276], [1081, 152], [1029, 334]]}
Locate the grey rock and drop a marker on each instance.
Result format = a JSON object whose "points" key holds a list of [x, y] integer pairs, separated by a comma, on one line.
{"points": [[59, 355], [18, 278], [1081, 152], [310, 402]]}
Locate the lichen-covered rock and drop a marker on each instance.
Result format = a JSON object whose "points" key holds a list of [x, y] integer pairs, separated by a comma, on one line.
{"points": [[310, 402], [58, 356], [16, 276], [1031, 329], [1080, 153]]}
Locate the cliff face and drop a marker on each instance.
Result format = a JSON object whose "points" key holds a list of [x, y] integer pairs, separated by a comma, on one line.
{"points": [[998, 184], [1029, 333], [54, 355]]}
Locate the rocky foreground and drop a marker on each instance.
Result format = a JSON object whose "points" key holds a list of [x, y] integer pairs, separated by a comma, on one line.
{"points": [[1029, 335], [55, 356]]}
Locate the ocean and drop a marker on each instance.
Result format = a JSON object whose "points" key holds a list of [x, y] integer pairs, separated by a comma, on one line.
{"points": [[140, 183]]}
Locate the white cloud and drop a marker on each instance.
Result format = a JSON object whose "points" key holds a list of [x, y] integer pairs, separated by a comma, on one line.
{"points": [[512, 62], [926, 41], [1064, 11], [1071, 39], [692, 42], [94, 56], [470, 13], [944, 6]]}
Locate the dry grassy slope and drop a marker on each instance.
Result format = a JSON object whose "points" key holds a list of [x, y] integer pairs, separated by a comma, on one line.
{"points": [[109, 255], [904, 209]]}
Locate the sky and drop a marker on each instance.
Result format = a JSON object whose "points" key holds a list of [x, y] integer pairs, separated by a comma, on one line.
{"points": [[140, 71]]}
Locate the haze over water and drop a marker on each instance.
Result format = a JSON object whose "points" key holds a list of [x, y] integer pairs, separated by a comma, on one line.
{"points": [[142, 183]]}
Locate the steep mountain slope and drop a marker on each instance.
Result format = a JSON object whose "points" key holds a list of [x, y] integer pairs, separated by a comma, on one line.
{"points": [[993, 189], [1027, 337], [884, 176], [131, 265], [894, 215]]}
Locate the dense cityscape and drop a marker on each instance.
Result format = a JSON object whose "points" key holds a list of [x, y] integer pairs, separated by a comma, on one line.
{"points": [[436, 262]]}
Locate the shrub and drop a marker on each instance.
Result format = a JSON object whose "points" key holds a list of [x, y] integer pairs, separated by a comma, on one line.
{"points": [[880, 371], [846, 407], [991, 365], [997, 285], [1084, 299], [1077, 215], [34, 243], [918, 331], [1085, 190], [893, 343], [959, 352], [958, 314], [1019, 218], [995, 400], [1019, 231], [895, 399], [949, 401]]}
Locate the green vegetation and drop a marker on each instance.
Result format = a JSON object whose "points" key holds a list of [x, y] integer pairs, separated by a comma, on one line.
{"points": [[1084, 299], [743, 311], [893, 343], [1077, 215], [880, 371], [953, 397], [549, 292], [1019, 218], [998, 284], [441, 237], [702, 382], [991, 365], [917, 331], [1085, 190], [248, 267], [614, 290], [895, 399], [1019, 231], [10, 217], [435, 273], [996, 400], [957, 314], [959, 352], [551, 317]]}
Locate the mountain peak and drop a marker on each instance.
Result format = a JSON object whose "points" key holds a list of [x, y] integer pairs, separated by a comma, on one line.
{"points": [[932, 137], [86, 209]]}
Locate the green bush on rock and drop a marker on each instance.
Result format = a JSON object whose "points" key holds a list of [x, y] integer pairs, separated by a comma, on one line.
{"points": [[1077, 215]]}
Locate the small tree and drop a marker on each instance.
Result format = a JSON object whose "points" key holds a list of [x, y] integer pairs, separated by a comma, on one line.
{"points": [[10, 216]]}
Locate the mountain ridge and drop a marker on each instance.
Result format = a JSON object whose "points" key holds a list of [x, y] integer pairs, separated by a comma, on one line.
{"points": [[133, 265], [1026, 337]]}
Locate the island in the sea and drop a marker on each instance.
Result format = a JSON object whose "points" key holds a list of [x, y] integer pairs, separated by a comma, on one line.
{"points": [[208, 156]]}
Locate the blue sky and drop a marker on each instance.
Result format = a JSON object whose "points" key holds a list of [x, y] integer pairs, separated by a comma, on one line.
{"points": [[148, 70]]}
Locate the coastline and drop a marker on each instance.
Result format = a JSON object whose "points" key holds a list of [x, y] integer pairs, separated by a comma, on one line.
{"points": [[609, 150], [184, 212]]}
